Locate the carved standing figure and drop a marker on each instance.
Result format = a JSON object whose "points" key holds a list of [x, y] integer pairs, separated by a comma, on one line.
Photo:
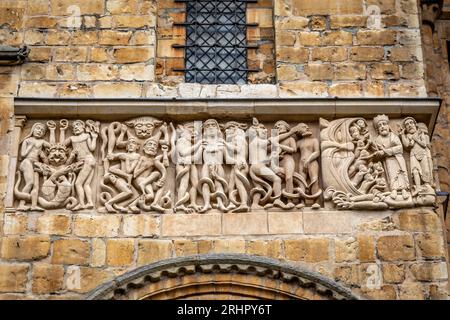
{"points": [[31, 152], [390, 150], [237, 147], [212, 183], [308, 164], [185, 154], [84, 142], [418, 143], [261, 170]]}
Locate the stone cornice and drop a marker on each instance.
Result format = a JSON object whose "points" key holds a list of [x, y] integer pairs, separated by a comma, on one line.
{"points": [[305, 109], [11, 56]]}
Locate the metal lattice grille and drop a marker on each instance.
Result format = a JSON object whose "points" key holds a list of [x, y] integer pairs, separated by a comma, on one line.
{"points": [[216, 43]]}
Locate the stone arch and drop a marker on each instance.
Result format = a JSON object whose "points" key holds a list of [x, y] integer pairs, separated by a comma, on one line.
{"points": [[216, 276]]}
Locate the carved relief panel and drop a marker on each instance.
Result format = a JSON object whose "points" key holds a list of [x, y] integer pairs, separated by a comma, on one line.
{"points": [[149, 165]]}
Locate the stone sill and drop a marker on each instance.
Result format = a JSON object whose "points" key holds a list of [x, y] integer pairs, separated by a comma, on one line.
{"points": [[265, 109]]}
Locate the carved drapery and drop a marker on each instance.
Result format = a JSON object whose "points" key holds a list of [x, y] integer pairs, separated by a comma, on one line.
{"points": [[148, 165]]}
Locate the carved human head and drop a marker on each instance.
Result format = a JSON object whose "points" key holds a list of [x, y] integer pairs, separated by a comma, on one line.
{"points": [[151, 146], [38, 130], [233, 128], [78, 127], [282, 126], [132, 145], [144, 126], [410, 125], [354, 132], [211, 127], [423, 127], [304, 130], [57, 154], [110, 178], [381, 124], [361, 123]]}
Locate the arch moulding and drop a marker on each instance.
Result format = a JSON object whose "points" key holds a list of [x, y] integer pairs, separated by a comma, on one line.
{"points": [[217, 276]]}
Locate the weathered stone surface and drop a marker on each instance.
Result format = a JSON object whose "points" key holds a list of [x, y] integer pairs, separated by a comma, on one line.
{"points": [[327, 222], [385, 71], [285, 222], [346, 250], [117, 90], [185, 247], [63, 7], [86, 225], [431, 245], [119, 252], [192, 225], [422, 220], [53, 224], [392, 248], [133, 55], [140, 226], [376, 37], [411, 291], [98, 253], [47, 278], [84, 279], [153, 250], [307, 250], [386, 292], [229, 246], [270, 248], [428, 271], [342, 21], [292, 55], [329, 54], [367, 54], [326, 7], [15, 224], [13, 277], [245, 223], [71, 251], [25, 248], [111, 37], [393, 273], [366, 248]]}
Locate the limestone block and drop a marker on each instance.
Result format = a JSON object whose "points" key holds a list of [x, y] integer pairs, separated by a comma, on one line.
{"points": [[58, 224], [393, 273], [119, 252], [57, 37], [95, 72], [98, 253], [15, 224], [431, 245], [350, 71], [134, 21], [229, 246], [191, 225], [86, 225], [376, 37], [285, 222], [337, 38], [47, 278], [319, 71], [345, 90], [37, 7], [85, 37], [141, 226], [292, 55], [366, 248], [291, 23], [309, 39], [405, 90], [112, 37], [25, 248], [12, 13], [329, 54], [419, 220], [392, 248], [13, 277], [342, 21], [307, 250], [326, 7], [62, 7], [327, 222], [117, 90], [386, 292], [304, 89], [133, 54], [71, 251], [346, 250], [411, 291], [70, 54], [137, 72], [42, 22], [153, 250], [269, 248], [245, 223], [40, 54], [185, 247], [122, 6], [428, 271]]}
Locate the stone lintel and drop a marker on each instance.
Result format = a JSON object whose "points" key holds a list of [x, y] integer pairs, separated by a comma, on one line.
{"points": [[295, 109]]}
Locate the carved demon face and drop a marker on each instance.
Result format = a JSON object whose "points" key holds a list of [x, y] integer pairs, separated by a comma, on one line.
{"points": [[57, 155], [144, 129]]}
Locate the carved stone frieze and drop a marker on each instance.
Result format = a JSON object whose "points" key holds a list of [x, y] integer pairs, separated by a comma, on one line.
{"points": [[148, 165]]}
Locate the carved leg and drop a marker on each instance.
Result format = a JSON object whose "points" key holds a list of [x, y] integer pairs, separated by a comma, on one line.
{"points": [[313, 171], [35, 194], [88, 190]]}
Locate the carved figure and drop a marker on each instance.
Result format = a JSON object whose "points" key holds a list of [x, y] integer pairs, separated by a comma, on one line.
{"points": [[212, 184], [237, 147], [389, 148], [185, 154], [31, 152], [418, 144], [261, 170], [84, 142]]}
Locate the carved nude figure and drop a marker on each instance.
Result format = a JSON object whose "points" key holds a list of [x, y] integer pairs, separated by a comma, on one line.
{"points": [[31, 153], [212, 183], [418, 143], [150, 169], [390, 150], [260, 170], [185, 154], [121, 177], [83, 143], [308, 163], [286, 148], [238, 147]]}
